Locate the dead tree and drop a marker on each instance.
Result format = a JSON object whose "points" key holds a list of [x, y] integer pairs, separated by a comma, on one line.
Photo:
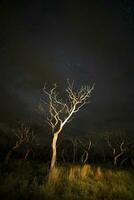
{"points": [[61, 112], [86, 149], [84, 145], [23, 135], [128, 154], [75, 148], [118, 150], [31, 141]]}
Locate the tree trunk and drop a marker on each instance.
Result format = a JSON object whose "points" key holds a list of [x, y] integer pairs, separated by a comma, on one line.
{"points": [[84, 157], [117, 157], [54, 150], [27, 153]]}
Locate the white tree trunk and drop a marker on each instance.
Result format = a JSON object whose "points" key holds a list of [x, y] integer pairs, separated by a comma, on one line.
{"points": [[54, 150]]}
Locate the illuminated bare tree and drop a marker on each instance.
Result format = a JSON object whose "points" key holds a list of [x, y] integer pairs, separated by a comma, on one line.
{"points": [[61, 112], [24, 135]]}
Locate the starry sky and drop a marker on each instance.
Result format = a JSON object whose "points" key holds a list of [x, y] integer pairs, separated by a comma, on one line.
{"points": [[49, 41]]}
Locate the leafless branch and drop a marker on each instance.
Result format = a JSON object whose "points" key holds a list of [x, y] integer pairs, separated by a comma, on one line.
{"points": [[61, 112]]}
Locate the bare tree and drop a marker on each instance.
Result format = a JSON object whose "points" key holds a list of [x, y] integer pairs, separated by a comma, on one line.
{"points": [[23, 135], [84, 145], [75, 148], [122, 149], [78, 146], [86, 149], [129, 153], [31, 142], [61, 112], [118, 149]]}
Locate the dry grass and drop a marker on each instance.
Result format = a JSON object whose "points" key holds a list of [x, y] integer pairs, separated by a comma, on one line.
{"points": [[91, 183], [67, 183], [86, 170]]}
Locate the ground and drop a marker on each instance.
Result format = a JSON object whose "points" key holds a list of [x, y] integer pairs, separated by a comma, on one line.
{"points": [[29, 180]]}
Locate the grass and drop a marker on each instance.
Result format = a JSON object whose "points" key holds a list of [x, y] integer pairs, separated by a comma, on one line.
{"points": [[25, 180]]}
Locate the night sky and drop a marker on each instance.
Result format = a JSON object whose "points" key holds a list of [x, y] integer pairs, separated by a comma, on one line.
{"points": [[50, 41]]}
